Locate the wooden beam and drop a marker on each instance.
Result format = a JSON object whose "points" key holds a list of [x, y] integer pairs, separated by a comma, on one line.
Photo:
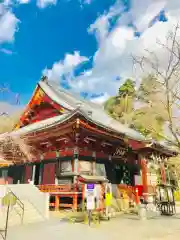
{"points": [[51, 130], [48, 135], [100, 131], [101, 135]]}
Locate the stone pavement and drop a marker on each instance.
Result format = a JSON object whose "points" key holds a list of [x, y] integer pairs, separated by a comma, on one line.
{"points": [[125, 227]]}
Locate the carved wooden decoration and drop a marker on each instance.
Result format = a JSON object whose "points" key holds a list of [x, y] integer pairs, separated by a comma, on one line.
{"points": [[120, 152]]}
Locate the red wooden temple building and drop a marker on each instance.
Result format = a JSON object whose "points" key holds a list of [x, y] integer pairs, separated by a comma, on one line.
{"points": [[61, 139]]}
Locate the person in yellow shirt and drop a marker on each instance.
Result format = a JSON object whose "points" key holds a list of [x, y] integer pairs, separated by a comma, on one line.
{"points": [[108, 199]]}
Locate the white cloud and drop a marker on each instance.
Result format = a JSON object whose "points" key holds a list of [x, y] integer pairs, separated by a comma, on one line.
{"points": [[65, 68], [117, 45], [40, 3], [88, 1], [101, 99], [84, 2], [101, 26], [6, 51], [142, 12], [45, 3], [114, 56], [23, 1], [8, 24], [7, 2]]}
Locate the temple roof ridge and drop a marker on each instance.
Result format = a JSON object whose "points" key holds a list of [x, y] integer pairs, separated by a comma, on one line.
{"points": [[71, 97], [98, 114]]}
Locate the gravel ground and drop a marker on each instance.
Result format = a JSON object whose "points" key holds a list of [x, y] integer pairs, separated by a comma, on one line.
{"points": [[126, 227]]}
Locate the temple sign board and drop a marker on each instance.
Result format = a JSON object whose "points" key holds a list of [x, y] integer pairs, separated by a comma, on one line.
{"points": [[120, 152], [90, 194]]}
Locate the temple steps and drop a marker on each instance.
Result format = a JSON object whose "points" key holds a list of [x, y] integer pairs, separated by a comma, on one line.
{"points": [[16, 217], [30, 193], [29, 198]]}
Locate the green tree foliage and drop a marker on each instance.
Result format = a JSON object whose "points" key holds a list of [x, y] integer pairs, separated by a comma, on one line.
{"points": [[121, 107], [151, 114], [142, 109], [109, 104], [150, 89], [127, 89]]}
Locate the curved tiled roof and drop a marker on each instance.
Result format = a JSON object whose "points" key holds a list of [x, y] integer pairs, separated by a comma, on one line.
{"points": [[98, 114]]}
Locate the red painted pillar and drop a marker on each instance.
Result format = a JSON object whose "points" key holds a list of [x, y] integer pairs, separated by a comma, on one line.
{"points": [[28, 173], [163, 173], [83, 191], [49, 173], [136, 195], [52, 173], [144, 170], [57, 202], [75, 198]]}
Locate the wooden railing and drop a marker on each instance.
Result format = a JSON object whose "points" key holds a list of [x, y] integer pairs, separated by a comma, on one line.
{"points": [[129, 190], [62, 191], [52, 188], [55, 188], [135, 192]]}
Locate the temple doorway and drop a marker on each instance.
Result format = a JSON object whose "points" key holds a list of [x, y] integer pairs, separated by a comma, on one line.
{"points": [[123, 173], [16, 172]]}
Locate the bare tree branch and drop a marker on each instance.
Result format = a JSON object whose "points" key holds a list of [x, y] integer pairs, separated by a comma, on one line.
{"points": [[168, 77]]}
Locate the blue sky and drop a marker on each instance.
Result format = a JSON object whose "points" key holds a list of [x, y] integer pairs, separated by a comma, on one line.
{"points": [[45, 36], [85, 45]]}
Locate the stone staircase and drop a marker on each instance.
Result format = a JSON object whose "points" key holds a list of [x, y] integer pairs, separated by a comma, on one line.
{"points": [[31, 206], [17, 217]]}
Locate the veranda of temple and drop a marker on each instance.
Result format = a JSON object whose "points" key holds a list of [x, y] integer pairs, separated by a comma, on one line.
{"points": [[62, 141]]}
